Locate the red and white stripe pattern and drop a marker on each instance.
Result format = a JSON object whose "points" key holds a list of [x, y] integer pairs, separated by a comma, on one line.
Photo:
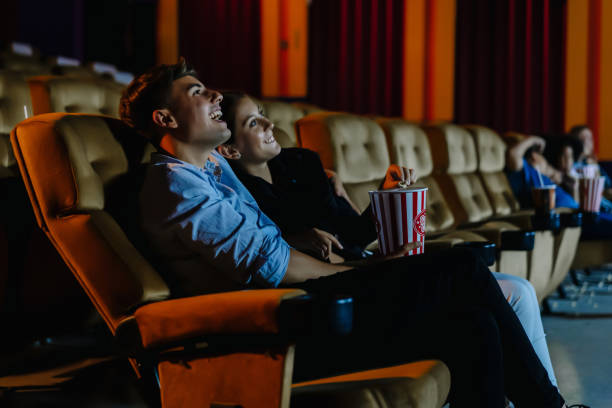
{"points": [[400, 218], [591, 191]]}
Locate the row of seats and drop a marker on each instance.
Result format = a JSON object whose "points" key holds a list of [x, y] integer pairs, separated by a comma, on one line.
{"points": [[26, 59], [464, 175]]}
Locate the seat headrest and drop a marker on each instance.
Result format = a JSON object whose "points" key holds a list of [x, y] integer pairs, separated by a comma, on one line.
{"points": [[75, 95], [408, 145], [453, 149], [283, 115], [490, 147], [354, 146], [91, 159]]}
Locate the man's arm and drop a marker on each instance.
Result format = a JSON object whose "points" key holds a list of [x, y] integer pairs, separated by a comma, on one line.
{"points": [[514, 159]]}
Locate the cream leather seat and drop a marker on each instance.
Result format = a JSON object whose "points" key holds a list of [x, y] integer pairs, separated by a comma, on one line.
{"points": [[455, 164], [185, 340], [545, 272], [283, 115], [74, 94]]}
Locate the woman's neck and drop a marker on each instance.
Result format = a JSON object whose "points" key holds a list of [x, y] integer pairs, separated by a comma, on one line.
{"points": [[259, 169]]}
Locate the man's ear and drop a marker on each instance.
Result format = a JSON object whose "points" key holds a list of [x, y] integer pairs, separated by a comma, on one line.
{"points": [[229, 151], [163, 118]]}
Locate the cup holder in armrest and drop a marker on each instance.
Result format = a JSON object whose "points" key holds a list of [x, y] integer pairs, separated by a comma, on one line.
{"points": [[571, 219], [308, 315], [546, 222], [486, 250], [517, 240]]}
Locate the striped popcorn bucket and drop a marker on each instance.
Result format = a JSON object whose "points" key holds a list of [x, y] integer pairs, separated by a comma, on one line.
{"points": [[591, 191], [400, 216]]}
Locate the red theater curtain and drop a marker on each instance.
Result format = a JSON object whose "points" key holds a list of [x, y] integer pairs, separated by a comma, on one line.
{"points": [[221, 38], [509, 64], [355, 55]]}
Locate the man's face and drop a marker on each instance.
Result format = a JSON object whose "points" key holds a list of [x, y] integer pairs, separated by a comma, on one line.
{"points": [[197, 113]]}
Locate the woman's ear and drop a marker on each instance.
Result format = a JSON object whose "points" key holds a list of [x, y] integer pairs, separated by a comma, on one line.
{"points": [[229, 151], [163, 118]]}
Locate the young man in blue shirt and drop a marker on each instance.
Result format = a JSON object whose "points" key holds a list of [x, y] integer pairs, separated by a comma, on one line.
{"points": [[210, 233]]}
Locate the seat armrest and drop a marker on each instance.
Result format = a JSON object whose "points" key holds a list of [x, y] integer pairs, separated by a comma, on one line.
{"points": [[485, 250], [571, 219], [506, 237], [240, 312], [517, 240], [533, 221]]}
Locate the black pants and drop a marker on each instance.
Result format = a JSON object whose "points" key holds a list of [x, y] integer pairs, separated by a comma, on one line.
{"points": [[446, 306]]}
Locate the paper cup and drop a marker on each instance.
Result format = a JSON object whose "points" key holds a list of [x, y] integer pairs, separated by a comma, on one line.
{"points": [[544, 198], [400, 216], [591, 191], [590, 171]]}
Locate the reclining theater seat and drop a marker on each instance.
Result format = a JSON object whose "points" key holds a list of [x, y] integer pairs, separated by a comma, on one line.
{"points": [[352, 146], [283, 115], [545, 273], [455, 163], [66, 161], [75, 95]]}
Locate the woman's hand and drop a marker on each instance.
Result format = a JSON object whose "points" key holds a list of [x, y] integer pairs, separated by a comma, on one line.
{"points": [[398, 177], [315, 241]]}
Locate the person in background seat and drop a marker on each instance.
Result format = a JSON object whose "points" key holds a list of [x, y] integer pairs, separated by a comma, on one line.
{"points": [[210, 232]]}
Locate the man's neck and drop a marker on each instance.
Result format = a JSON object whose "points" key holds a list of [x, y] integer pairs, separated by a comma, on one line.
{"points": [[192, 154], [259, 169]]}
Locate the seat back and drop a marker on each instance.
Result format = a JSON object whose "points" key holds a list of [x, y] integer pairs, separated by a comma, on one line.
{"points": [[353, 146], [283, 115], [307, 108], [409, 147], [67, 161], [491, 151], [75, 95], [26, 64], [15, 106], [455, 164]]}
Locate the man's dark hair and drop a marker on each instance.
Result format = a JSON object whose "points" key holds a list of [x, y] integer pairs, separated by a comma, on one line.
{"points": [[228, 107], [150, 91]]}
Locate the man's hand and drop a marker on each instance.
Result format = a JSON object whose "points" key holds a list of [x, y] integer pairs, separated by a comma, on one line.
{"points": [[399, 253], [315, 241], [398, 177], [339, 188]]}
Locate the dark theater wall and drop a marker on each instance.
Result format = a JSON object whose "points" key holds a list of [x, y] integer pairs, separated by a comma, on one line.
{"points": [[221, 39], [356, 52], [120, 32], [509, 71]]}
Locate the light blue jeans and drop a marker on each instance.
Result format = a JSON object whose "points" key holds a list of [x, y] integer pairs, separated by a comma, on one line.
{"points": [[522, 298]]}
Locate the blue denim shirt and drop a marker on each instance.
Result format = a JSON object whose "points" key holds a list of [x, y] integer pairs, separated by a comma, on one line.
{"points": [[207, 229]]}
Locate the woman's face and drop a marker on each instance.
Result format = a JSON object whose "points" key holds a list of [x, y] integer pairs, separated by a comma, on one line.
{"points": [[586, 137], [566, 160], [253, 133]]}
